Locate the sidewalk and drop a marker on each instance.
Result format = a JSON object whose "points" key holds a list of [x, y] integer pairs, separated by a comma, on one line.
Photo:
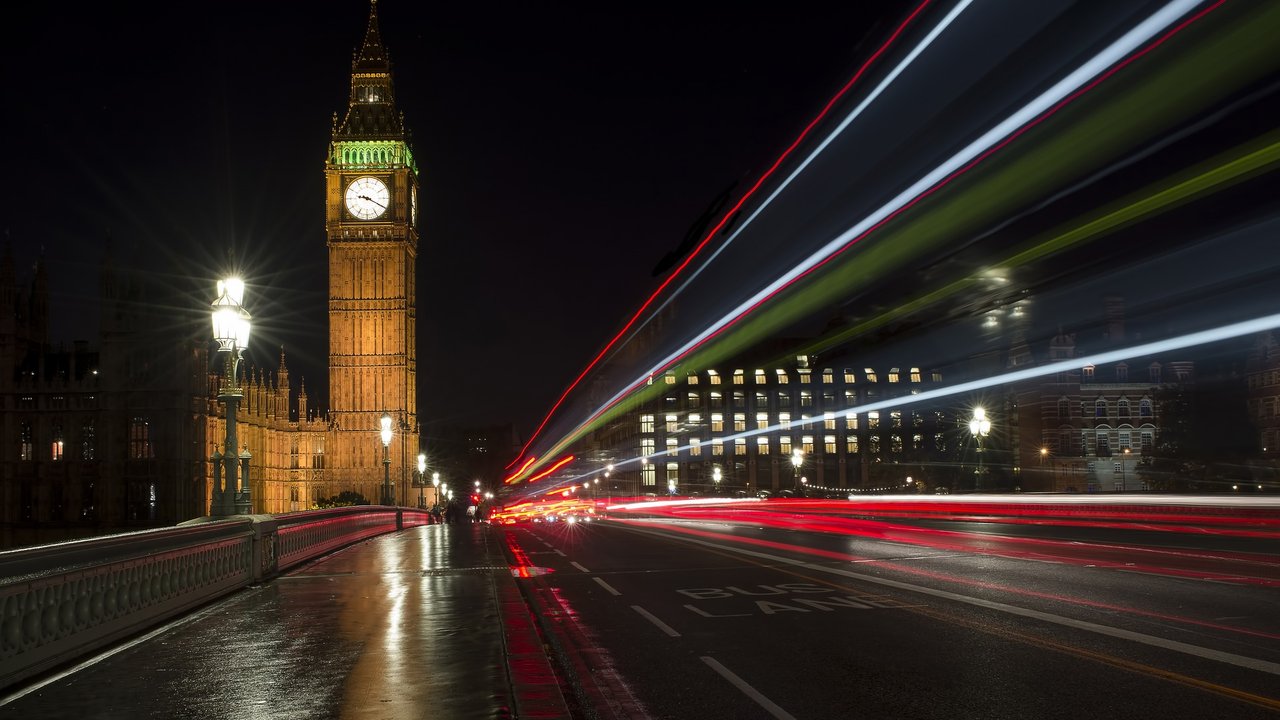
{"points": [[427, 622]]}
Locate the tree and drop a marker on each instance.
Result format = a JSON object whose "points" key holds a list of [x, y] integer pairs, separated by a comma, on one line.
{"points": [[346, 498], [1203, 439]]}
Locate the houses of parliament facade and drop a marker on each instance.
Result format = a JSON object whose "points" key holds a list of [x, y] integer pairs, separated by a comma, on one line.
{"points": [[120, 435]]}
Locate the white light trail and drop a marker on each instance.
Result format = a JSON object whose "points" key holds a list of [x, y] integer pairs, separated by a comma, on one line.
{"points": [[857, 111], [1203, 337], [1114, 53]]}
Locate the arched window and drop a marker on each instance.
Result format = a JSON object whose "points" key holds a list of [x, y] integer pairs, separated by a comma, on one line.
{"points": [[1144, 408], [1064, 409], [1100, 408], [1122, 408]]}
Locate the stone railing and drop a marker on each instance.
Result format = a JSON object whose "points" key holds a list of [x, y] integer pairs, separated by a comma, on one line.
{"points": [[59, 602]]}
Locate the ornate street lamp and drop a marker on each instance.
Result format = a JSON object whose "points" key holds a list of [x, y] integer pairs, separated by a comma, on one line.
{"points": [[797, 460], [422, 481], [231, 330], [388, 497], [979, 427], [715, 479], [435, 482]]}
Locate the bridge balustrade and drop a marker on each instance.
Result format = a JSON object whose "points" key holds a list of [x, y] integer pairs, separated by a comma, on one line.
{"points": [[62, 601]]}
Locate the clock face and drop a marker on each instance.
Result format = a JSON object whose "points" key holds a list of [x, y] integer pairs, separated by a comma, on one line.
{"points": [[367, 198], [413, 205]]}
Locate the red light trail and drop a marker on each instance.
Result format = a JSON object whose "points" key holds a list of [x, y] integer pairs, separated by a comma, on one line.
{"points": [[720, 225]]}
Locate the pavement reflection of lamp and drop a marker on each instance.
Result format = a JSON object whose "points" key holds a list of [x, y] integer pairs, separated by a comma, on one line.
{"points": [[979, 427], [231, 330], [422, 481], [388, 497]]}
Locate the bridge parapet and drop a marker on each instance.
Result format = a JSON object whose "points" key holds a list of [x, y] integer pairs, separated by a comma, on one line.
{"points": [[59, 602]]}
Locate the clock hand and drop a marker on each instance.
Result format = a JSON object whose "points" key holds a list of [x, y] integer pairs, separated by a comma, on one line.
{"points": [[375, 202]]}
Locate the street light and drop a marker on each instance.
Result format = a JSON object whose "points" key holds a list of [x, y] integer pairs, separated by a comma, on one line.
{"points": [[715, 478], [435, 482], [231, 330], [979, 427], [388, 498], [797, 459], [422, 480], [1124, 480]]}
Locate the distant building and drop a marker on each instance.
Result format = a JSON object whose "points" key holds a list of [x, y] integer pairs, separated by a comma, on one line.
{"points": [[96, 438], [1087, 429], [463, 455], [1262, 377], [706, 421]]}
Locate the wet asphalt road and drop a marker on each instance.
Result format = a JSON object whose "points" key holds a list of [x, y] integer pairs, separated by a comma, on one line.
{"points": [[404, 625], [706, 620]]}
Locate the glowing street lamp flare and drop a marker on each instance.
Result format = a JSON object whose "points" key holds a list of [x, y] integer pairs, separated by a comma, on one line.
{"points": [[231, 325], [979, 426], [388, 497], [386, 430]]}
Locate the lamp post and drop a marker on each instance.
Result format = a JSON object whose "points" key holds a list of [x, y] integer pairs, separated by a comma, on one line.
{"points": [[422, 481], [435, 482], [608, 484], [715, 479], [979, 427], [231, 330], [388, 496], [797, 460], [1124, 461]]}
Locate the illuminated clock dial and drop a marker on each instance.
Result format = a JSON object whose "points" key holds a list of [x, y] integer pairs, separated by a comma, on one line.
{"points": [[367, 198], [413, 205]]}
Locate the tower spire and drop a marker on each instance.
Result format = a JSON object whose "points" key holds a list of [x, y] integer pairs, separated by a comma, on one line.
{"points": [[371, 111]]}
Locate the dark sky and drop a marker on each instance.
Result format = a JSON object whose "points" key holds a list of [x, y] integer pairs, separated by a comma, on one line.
{"points": [[564, 149]]}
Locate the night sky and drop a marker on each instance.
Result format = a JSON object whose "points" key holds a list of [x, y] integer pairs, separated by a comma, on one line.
{"points": [[564, 150]]}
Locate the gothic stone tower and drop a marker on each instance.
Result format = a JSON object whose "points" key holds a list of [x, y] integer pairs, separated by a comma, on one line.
{"points": [[371, 208]]}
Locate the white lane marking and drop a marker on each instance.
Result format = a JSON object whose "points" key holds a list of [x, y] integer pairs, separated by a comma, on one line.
{"points": [[606, 586], [747, 690], [560, 553], [579, 566], [1185, 648], [704, 613], [661, 625]]}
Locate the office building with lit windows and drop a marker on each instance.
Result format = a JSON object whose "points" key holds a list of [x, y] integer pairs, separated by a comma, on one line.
{"points": [[748, 420]]}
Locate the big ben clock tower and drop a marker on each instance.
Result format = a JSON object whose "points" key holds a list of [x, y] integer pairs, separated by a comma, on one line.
{"points": [[371, 206]]}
